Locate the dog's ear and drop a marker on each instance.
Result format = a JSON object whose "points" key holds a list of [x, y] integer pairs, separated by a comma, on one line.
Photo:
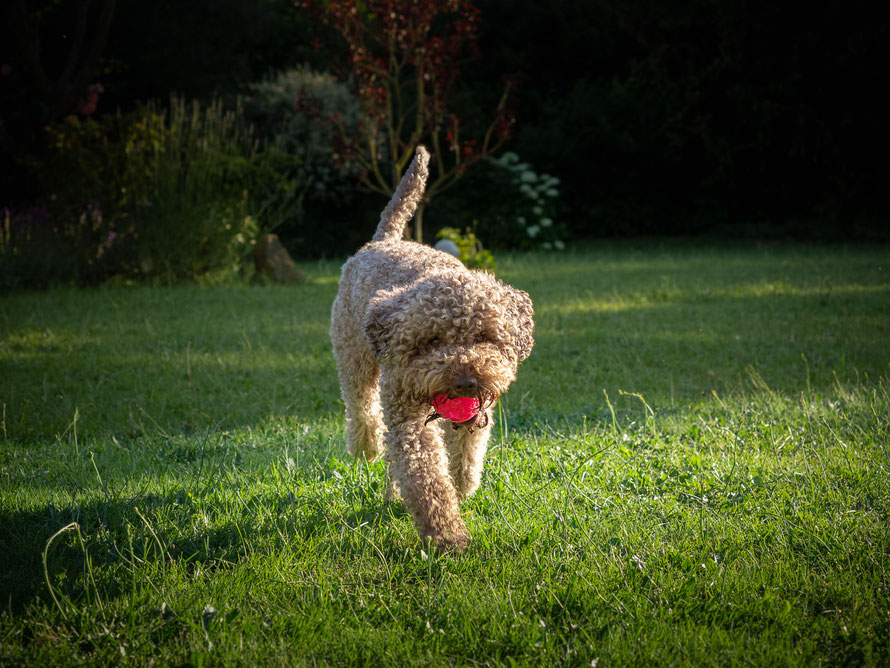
{"points": [[378, 325], [522, 312]]}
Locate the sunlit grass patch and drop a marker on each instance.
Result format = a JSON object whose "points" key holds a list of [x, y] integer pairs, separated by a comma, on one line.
{"points": [[691, 468]]}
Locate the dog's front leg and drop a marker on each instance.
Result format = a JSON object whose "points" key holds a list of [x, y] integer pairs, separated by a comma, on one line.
{"points": [[418, 462], [466, 455]]}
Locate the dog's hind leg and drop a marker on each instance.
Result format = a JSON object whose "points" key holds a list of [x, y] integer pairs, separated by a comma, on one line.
{"points": [[359, 385]]}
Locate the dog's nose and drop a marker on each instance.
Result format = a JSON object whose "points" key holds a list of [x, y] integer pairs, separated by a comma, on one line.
{"points": [[464, 387]]}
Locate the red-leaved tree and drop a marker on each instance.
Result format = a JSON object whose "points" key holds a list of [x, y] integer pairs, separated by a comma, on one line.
{"points": [[404, 58]]}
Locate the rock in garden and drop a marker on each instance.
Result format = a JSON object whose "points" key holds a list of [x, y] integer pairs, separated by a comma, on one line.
{"points": [[272, 261], [448, 246]]}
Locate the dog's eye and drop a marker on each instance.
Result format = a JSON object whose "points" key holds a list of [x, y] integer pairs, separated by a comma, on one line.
{"points": [[479, 338], [433, 341]]}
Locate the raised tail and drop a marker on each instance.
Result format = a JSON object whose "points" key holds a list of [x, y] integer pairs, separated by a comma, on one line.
{"points": [[404, 201]]}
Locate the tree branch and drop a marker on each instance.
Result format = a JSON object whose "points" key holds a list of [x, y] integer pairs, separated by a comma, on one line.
{"points": [[62, 94], [80, 29]]}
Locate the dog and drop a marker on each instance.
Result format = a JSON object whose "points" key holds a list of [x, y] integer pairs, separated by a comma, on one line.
{"points": [[424, 347]]}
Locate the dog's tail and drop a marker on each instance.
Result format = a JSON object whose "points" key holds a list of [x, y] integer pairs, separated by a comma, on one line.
{"points": [[404, 202]]}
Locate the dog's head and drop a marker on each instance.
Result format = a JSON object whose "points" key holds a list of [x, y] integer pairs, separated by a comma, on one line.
{"points": [[461, 336]]}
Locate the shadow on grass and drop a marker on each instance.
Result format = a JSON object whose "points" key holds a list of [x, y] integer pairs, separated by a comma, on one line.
{"points": [[117, 541], [143, 360]]}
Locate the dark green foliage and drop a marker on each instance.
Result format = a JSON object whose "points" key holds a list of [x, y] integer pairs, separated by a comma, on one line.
{"points": [[672, 117], [34, 251], [478, 199], [162, 193], [511, 204], [704, 116], [294, 110]]}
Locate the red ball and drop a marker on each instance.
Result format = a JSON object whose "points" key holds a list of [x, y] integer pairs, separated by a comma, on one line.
{"points": [[458, 409]]}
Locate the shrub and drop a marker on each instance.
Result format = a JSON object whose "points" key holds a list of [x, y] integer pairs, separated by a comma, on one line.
{"points": [[510, 204], [165, 193], [191, 213], [295, 108], [32, 250], [531, 210]]}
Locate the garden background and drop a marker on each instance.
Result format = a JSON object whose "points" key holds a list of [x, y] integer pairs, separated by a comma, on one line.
{"points": [[691, 467], [711, 117]]}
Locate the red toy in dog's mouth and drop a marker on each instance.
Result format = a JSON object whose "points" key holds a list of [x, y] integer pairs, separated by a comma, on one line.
{"points": [[458, 409]]}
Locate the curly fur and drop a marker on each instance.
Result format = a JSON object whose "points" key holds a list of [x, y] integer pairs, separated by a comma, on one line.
{"points": [[410, 322]]}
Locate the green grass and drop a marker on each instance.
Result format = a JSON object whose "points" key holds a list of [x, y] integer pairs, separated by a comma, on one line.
{"points": [[691, 468]]}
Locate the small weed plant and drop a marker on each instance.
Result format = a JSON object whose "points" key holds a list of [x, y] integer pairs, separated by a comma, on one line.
{"points": [[470, 250]]}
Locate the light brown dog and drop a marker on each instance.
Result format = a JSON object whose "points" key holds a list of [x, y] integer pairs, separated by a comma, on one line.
{"points": [[410, 323]]}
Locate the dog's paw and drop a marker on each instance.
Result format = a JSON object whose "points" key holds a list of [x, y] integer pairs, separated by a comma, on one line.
{"points": [[453, 543]]}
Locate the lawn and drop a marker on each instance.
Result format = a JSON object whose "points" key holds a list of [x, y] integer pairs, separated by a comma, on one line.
{"points": [[691, 468]]}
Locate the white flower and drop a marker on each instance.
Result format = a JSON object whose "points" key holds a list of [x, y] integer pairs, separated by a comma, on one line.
{"points": [[552, 192], [520, 220], [533, 231], [559, 245], [537, 210], [528, 177], [546, 222]]}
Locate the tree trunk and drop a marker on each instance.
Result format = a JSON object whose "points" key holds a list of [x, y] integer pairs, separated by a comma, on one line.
{"points": [[81, 65]]}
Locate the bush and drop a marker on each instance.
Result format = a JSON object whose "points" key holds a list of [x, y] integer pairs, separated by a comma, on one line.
{"points": [[32, 249], [168, 194], [190, 213], [531, 210], [295, 110], [510, 205]]}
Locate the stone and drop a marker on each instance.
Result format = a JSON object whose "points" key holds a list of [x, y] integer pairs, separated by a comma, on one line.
{"points": [[447, 246], [272, 261]]}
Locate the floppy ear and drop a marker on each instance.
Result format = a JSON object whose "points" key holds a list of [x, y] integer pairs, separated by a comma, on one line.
{"points": [[521, 309], [378, 325]]}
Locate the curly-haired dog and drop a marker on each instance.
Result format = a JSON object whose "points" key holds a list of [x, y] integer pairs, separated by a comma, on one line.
{"points": [[412, 328]]}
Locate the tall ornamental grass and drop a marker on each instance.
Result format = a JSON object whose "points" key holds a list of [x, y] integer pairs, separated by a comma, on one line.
{"points": [[165, 192]]}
